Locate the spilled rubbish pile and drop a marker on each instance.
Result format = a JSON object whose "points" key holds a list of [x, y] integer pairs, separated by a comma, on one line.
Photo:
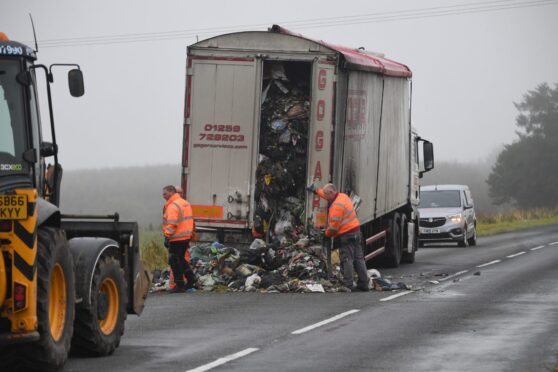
{"points": [[299, 267], [281, 172]]}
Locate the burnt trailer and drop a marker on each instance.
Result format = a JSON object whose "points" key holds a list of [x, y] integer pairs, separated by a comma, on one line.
{"points": [[267, 112]]}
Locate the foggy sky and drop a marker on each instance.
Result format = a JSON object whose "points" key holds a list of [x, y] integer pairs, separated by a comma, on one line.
{"points": [[468, 69]]}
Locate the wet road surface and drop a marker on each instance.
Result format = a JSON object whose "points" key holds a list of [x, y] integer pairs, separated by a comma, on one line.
{"points": [[505, 319]]}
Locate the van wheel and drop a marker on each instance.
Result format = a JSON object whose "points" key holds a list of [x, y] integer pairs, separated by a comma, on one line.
{"points": [[98, 329], [463, 242], [473, 239], [55, 303]]}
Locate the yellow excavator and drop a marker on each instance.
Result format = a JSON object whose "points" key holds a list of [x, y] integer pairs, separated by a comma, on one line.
{"points": [[67, 282]]}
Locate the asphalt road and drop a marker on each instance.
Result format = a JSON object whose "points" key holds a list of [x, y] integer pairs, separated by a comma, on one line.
{"points": [[505, 319]]}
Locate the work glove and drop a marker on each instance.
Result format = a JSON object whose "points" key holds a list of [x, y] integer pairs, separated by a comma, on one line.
{"points": [[312, 187], [166, 242]]}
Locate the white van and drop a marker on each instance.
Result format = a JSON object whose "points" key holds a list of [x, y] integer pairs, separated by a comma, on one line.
{"points": [[447, 214]]}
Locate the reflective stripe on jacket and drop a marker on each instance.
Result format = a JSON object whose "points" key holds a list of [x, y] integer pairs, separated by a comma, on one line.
{"points": [[341, 217], [178, 223]]}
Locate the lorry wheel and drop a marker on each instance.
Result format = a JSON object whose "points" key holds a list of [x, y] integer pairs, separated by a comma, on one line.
{"points": [[407, 257], [463, 242], [99, 328], [55, 303], [393, 248]]}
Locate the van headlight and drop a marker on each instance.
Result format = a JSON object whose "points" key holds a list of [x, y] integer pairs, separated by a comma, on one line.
{"points": [[456, 218]]}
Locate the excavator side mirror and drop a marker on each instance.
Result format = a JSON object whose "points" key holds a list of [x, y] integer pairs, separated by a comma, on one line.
{"points": [[24, 78], [75, 82], [48, 149]]}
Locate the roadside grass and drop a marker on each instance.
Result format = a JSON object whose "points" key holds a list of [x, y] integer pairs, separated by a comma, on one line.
{"points": [[153, 254], [495, 223]]}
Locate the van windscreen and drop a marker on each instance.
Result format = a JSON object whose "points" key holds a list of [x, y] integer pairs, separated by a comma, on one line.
{"points": [[440, 199]]}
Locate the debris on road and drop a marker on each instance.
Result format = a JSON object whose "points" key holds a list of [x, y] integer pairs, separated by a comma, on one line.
{"points": [[296, 267], [383, 284]]}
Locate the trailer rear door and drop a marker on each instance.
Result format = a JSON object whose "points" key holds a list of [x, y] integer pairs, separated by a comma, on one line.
{"points": [[220, 132]]}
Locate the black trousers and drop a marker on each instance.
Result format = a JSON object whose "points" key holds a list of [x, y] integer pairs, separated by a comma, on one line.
{"points": [[180, 268]]}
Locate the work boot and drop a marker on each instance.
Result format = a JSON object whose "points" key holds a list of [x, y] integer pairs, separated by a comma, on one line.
{"points": [[177, 289], [344, 289], [361, 289]]}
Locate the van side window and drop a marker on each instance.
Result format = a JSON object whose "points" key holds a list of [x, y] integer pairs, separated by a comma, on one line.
{"points": [[465, 200], [469, 197]]}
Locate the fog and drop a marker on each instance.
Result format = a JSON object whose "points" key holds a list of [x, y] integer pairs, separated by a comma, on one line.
{"points": [[470, 62]]}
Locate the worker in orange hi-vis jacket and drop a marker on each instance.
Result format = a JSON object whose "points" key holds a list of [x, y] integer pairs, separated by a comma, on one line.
{"points": [[178, 226], [344, 227], [172, 284]]}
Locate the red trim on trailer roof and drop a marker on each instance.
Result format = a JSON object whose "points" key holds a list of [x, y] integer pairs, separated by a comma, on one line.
{"points": [[357, 59], [232, 59]]}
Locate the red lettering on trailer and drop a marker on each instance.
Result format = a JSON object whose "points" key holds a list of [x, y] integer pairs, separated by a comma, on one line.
{"points": [[356, 114], [320, 112], [315, 202], [322, 79], [319, 140], [318, 171]]}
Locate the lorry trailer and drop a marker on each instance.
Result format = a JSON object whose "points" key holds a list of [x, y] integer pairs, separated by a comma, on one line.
{"points": [[325, 113]]}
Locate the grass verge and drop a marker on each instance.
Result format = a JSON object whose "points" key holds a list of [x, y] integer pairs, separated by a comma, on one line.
{"points": [[153, 254], [490, 224]]}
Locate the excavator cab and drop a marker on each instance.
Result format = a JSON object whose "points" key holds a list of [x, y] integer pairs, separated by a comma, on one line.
{"points": [[64, 280]]}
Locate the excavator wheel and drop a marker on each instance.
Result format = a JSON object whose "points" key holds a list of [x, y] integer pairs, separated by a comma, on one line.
{"points": [[98, 329], [55, 304]]}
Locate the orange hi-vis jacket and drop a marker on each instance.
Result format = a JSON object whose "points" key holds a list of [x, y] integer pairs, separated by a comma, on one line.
{"points": [[341, 217], [178, 223]]}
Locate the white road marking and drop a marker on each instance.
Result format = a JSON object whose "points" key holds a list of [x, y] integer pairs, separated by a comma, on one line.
{"points": [[223, 360], [553, 243], [396, 295], [536, 248], [516, 254], [324, 322], [454, 275], [489, 263]]}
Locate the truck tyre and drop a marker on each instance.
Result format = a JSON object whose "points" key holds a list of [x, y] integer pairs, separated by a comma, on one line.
{"points": [[393, 248], [55, 303], [473, 239], [98, 328], [407, 257], [463, 242]]}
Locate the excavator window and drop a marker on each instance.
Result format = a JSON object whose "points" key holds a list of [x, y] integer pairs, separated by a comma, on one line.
{"points": [[13, 140]]}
